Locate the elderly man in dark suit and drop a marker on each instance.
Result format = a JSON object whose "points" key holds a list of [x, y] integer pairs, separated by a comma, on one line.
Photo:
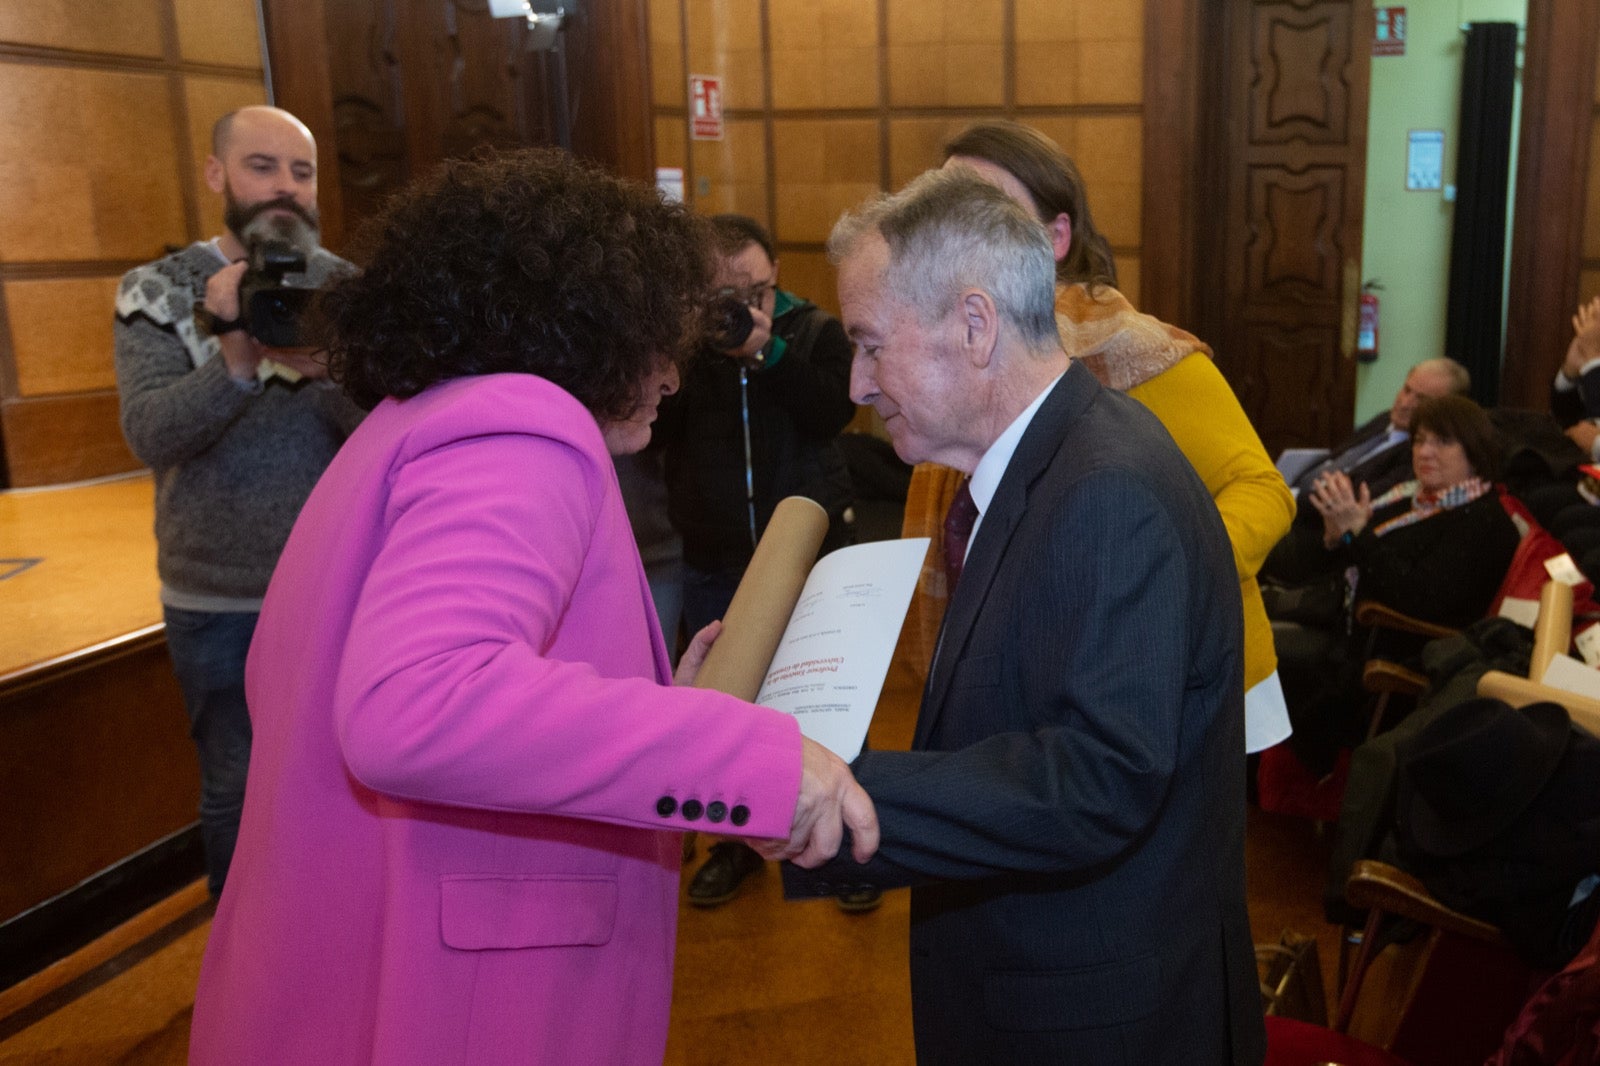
{"points": [[1071, 816], [1377, 454]]}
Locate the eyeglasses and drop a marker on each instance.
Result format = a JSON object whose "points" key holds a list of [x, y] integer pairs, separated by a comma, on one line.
{"points": [[756, 295]]}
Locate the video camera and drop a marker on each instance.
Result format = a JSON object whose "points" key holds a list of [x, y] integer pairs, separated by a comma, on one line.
{"points": [[272, 310]]}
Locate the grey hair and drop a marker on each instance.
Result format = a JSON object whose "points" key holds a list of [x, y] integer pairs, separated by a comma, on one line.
{"points": [[949, 231], [1460, 377]]}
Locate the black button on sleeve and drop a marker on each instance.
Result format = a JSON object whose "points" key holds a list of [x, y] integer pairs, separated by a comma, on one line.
{"points": [[665, 806], [716, 811], [692, 809], [740, 815]]}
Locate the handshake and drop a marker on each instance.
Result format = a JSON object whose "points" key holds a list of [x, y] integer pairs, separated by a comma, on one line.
{"points": [[830, 800]]}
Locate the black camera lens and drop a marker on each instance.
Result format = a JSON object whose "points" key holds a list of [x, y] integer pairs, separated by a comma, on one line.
{"points": [[730, 321]]}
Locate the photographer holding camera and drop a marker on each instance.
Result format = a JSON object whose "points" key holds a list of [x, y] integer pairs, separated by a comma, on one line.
{"points": [[235, 431], [755, 420]]}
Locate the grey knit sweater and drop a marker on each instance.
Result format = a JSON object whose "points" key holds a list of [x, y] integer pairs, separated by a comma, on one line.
{"points": [[233, 463]]}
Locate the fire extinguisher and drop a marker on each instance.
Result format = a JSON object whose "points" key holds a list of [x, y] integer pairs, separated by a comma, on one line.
{"points": [[1367, 324]]}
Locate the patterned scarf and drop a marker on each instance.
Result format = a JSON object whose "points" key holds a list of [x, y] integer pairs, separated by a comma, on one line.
{"points": [[1426, 504]]}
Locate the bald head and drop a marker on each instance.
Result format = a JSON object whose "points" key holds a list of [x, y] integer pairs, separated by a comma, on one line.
{"points": [[1429, 379], [256, 116]]}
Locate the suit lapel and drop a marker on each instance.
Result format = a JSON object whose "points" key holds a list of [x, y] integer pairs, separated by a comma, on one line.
{"points": [[1071, 395]]}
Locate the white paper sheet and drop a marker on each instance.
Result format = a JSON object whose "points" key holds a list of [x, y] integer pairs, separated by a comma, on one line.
{"points": [[1292, 462], [829, 667], [1569, 675]]}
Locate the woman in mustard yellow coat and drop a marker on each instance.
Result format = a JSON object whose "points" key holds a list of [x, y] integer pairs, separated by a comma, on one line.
{"points": [[1167, 369]]}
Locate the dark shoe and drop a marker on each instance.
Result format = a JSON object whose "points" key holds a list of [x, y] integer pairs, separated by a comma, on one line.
{"points": [[719, 879], [860, 899]]}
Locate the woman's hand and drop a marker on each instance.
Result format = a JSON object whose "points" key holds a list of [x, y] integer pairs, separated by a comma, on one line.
{"points": [[1343, 509], [694, 656]]}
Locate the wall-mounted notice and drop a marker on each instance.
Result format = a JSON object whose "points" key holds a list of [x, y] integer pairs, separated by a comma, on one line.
{"points": [[669, 181], [705, 107], [1424, 159], [1389, 36]]}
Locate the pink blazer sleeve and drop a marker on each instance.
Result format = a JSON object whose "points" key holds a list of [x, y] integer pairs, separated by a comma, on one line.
{"points": [[449, 692]]}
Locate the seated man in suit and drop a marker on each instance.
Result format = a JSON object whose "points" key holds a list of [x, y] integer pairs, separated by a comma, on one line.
{"points": [[1071, 816], [1377, 454]]}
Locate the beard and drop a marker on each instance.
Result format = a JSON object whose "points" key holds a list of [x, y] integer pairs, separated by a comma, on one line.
{"points": [[252, 222]]}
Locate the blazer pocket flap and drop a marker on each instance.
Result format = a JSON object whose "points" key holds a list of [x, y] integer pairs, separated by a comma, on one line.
{"points": [[977, 671], [1043, 1001], [478, 913]]}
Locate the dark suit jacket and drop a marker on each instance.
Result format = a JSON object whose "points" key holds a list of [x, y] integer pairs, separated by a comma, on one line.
{"points": [[1379, 473], [1072, 812]]}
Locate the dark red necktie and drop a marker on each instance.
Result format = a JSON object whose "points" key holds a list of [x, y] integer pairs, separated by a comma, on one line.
{"points": [[958, 523]]}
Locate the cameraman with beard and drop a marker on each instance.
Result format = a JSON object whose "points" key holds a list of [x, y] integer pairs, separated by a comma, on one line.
{"points": [[236, 434], [755, 420]]}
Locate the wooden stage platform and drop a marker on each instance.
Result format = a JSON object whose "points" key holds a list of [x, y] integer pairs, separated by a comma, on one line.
{"points": [[98, 781], [77, 569]]}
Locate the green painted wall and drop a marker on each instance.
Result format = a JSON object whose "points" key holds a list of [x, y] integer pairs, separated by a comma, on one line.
{"points": [[1407, 233]]}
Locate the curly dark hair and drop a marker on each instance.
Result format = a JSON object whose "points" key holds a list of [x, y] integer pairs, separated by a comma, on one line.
{"points": [[529, 262], [1052, 179]]}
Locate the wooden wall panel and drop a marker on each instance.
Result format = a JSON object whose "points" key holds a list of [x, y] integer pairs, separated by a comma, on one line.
{"points": [[61, 334], [670, 148], [917, 144], [862, 94], [56, 439], [118, 27], [824, 53], [1553, 194], [1079, 53], [824, 167], [725, 40], [731, 174], [89, 166], [1109, 151], [206, 99], [945, 53], [809, 274], [669, 82], [224, 32]]}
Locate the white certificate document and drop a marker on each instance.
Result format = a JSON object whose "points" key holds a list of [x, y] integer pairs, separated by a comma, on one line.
{"points": [[830, 665]]}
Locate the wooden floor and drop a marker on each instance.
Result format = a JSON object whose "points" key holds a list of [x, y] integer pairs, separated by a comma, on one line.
{"points": [[757, 981]]}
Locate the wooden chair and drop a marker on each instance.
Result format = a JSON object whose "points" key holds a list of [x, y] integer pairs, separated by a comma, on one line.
{"points": [[1385, 892]]}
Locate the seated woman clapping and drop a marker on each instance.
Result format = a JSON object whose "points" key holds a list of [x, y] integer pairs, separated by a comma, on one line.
{"points": [[1435, 547]]}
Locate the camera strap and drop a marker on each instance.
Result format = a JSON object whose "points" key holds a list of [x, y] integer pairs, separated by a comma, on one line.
{"points": [[749, 460]]}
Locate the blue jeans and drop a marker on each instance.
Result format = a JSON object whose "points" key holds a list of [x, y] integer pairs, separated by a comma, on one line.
{"points": [[208, 651]]}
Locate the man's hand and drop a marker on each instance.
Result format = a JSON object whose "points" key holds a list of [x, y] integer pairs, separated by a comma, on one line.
{"points": [[1583, 435], [830, 799], [760, 334], [694, 656], [1585, 346], [240, 353]]}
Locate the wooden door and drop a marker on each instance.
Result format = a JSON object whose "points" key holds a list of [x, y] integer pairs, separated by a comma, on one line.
{"points": [[1288, 212]]}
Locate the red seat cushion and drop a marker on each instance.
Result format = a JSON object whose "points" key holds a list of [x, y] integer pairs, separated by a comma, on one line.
{"points": [[1292, 1043]]}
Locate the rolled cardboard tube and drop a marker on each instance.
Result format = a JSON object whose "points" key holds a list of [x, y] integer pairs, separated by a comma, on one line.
{"points": [[1552, 633], [759, 613]]}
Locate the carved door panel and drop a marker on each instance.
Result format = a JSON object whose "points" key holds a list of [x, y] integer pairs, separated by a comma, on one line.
{"points": [[1293, 179]]}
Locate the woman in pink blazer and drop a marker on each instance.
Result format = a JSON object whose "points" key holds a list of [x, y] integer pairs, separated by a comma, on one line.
{"points": [[460, 836]]}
